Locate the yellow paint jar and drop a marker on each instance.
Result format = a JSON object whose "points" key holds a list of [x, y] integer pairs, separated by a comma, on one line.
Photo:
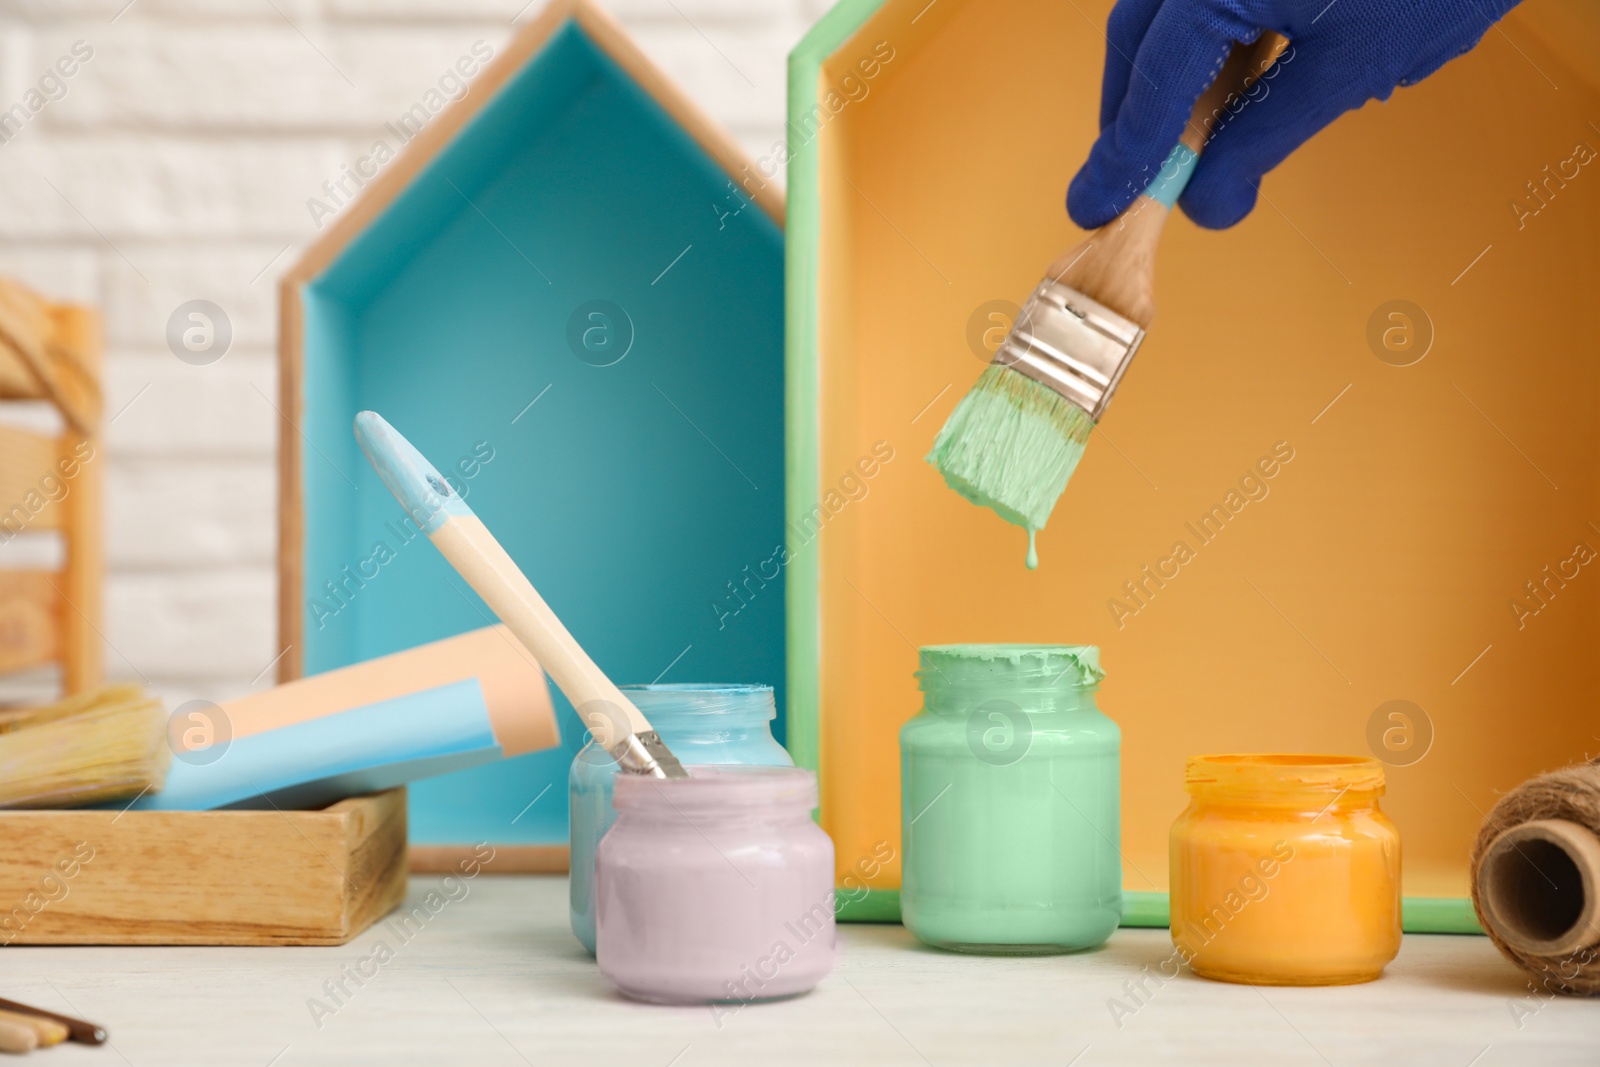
{"points": [[1284, 871]]}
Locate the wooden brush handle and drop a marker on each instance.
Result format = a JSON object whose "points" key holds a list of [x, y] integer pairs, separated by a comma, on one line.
{"points": [[474, 552], [469, 546], [48, 1031], [513, 687], [1244, 65], [1116, 264], [16, 1038], [85, 1033]]}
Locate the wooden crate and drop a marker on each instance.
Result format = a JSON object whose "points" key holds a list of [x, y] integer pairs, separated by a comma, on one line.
{"points": [[633, 492], [201, 878], [933, 147]]}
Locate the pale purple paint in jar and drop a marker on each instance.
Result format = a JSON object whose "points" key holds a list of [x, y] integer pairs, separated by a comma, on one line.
{"points": [[717, 887]]}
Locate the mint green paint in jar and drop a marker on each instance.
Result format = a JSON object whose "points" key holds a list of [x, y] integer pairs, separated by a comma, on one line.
{"points": [[1010, 801]]}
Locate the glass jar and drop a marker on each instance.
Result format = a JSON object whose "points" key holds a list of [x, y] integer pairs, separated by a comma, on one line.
{"points": [[1010, 801], [715, 887], [701, 723], [1284, 871]]}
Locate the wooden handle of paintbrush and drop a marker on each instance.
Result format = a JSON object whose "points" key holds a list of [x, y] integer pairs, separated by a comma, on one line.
{"points": [[1116, 263], [81, 1031], [48, 1031], [14, 1037], [1245, 64], [510, 679], [479, 558]]}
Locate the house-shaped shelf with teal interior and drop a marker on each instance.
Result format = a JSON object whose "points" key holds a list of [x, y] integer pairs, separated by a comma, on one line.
{"points": [[568, 290]]}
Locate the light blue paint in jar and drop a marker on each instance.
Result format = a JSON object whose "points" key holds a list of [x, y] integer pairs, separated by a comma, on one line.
{"points": [[702, 723]]}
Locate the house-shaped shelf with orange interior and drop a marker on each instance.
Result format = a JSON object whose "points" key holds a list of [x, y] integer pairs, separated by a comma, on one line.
{"points": [[1419, 547], [567, 291]]}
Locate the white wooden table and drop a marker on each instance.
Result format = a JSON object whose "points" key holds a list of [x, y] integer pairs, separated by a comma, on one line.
{"points": [[494, 977]]}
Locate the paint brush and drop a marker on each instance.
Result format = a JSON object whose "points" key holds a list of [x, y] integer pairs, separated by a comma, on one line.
{"points": [[46, 1032], [1014, 440], [17, 1038], [475, 554], [99, 746], [400, 718], [85, 1033]]}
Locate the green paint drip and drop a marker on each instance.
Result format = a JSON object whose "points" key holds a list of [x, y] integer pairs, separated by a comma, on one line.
{"points": [[1011, 445], [1033, 550]]}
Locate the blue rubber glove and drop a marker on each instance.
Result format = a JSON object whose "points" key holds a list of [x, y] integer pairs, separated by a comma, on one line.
{"points": [[1162, 54]]}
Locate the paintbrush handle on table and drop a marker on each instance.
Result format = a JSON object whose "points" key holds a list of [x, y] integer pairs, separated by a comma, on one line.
{"points": [[475, 554], [46, 1032], [79, 1030], [16, 1038]]}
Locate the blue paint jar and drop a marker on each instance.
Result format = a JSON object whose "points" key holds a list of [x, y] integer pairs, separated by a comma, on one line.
{"points": [[702, 724]]}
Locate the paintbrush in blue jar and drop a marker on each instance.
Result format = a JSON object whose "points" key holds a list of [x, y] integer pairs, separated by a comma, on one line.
{"points": [[475, 554]]}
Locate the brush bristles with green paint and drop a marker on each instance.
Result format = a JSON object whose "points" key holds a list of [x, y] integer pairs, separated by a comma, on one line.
{"points": [[1012, 445], [1014, 441]]}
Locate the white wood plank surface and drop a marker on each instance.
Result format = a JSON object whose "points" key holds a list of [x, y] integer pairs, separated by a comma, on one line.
{"points": [[494, 977]]}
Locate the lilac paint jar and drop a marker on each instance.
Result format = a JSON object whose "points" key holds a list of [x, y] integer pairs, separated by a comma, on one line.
{"points": [[717, 887]]}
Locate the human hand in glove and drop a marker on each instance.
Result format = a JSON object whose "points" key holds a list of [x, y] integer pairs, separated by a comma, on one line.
{"points": [[1162, 54]]}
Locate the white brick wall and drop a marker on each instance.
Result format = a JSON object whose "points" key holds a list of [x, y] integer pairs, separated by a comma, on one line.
{"points": [[176, 167]]}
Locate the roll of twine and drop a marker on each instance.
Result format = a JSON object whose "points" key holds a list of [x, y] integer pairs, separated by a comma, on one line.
{"points": [[1536, 878]]}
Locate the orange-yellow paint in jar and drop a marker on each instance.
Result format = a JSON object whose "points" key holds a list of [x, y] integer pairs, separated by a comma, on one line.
{"points": [[1284, 870]]}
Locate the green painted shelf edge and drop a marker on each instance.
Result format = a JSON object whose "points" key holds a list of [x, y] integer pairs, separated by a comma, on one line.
{"points": [[1418, 915], [802, 462], [1144, 909], [875, 906], [1438, 915], [803, 214]]}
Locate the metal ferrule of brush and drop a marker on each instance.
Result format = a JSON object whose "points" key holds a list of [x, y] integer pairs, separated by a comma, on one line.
{"points": [[1072, 344], [646, 753]]}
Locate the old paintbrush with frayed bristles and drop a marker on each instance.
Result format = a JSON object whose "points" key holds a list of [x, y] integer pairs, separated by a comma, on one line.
{"points": [[1014, 440]]}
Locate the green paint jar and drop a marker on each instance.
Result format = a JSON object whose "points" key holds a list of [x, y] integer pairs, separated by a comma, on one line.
{"points": [[1010, 802]]}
